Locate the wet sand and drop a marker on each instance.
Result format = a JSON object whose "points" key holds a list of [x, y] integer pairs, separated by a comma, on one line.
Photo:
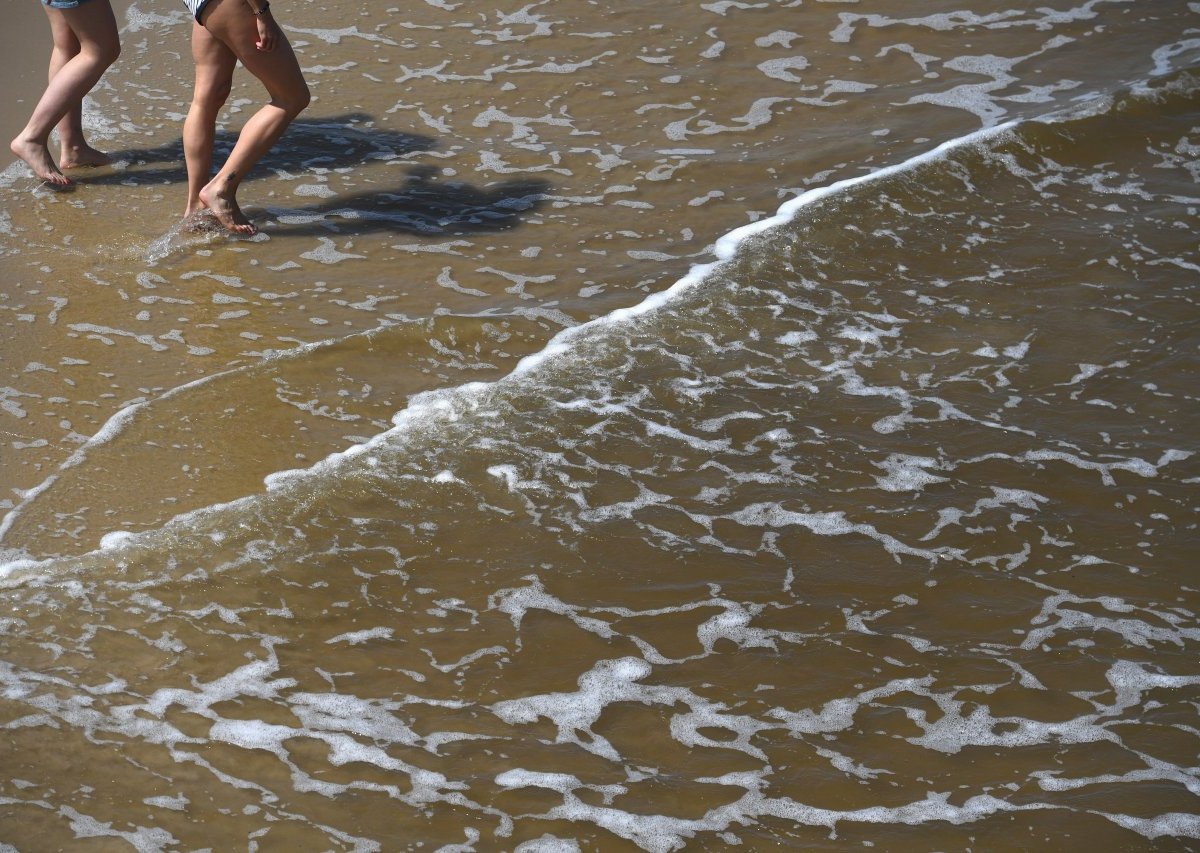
{"points": [[409, 522], [439, 174], [25, 45]]}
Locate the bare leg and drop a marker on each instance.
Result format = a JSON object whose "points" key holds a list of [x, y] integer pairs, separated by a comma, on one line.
{"points": [[74, 149], [232, 22], [94, 28], [214, 78]]}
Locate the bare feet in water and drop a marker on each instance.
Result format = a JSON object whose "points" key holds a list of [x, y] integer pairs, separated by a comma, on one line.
{"points": [[200, 220], [225, 209], [78, 156], [37, 157]]}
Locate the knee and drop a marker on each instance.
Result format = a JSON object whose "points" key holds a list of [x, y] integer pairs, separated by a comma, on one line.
{"points": [[207, 101], [106, 53], [299, 100], [63, 53]]}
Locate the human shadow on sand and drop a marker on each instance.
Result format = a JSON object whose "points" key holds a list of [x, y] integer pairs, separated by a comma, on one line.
{"points": [[319, 143], [422, 205]]}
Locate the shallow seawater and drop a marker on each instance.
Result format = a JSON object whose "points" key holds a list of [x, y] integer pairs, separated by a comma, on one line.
{"points": [[717, 425]]}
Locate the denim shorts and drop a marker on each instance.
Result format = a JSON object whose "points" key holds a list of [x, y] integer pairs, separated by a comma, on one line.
{"points": [[63, 4]]}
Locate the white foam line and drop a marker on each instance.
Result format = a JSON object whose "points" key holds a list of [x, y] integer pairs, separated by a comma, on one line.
{"points": [[727, 245], [430, 404], [122, 418], [110, 430]]}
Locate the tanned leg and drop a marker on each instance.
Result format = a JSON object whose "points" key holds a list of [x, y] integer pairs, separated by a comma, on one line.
{"points": [[232, 22], [214, 78], [73, 73], [74, 150]]}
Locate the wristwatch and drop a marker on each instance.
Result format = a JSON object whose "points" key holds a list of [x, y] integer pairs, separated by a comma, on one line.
{"points": [[266, 7]]}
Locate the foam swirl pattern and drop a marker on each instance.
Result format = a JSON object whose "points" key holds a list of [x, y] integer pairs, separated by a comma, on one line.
{"points": [[544, 500]]}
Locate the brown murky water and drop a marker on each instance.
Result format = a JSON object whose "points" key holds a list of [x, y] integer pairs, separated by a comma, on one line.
{"points": [[535, 481]]}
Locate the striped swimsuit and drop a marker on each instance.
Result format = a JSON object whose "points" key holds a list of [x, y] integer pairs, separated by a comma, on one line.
{"points": [[196, 7]]}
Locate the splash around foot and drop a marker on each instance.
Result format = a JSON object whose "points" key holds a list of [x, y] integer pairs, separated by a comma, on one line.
{"points": [[200, 220]]}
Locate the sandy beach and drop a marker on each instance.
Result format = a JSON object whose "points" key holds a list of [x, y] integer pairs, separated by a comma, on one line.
{"points": [[733, 424], [25, 42]]}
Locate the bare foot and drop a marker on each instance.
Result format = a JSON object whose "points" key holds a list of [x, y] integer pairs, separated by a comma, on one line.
{"points": [[37, 157], [77, 156], [225, 208]]}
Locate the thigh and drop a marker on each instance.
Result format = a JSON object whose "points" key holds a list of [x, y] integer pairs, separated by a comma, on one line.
{"points": [[278, 70], [214, 61], [91, 24], [232, 23], [61, 32]]}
